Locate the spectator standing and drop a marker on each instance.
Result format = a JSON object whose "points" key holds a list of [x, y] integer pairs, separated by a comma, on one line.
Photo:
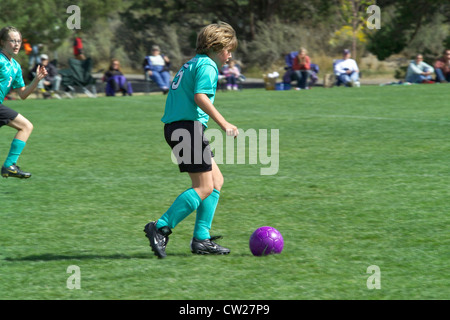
{"points": [[78, 50]]}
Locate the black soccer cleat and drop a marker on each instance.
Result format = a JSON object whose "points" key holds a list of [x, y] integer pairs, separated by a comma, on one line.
{"points": [[14, 171], [207, 246], [158, 238]]}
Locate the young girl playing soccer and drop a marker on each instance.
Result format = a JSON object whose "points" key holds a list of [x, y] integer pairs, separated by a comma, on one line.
{"points": [[188, 108], [11, 79]]}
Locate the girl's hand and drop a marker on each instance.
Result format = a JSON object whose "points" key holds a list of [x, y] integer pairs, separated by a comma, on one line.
{"points": [[230, 130], [41, 72]]}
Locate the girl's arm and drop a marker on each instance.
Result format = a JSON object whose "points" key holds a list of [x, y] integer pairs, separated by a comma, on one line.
{"points": [[206, 105], [24, 92]]}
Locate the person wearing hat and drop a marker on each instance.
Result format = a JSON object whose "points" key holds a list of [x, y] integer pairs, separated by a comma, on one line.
{"points": [[156, 67], [52, 80], [346, 70]]}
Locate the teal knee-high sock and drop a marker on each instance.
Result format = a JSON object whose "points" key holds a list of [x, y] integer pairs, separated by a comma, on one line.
{"points": [[205, 215], [14, 152], [184, 205]]}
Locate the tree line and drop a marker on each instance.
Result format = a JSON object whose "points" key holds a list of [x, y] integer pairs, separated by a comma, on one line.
{"points": [[265, 28]]}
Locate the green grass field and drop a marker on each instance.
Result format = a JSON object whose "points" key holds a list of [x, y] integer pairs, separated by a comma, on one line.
{"points": [[363, 180]]}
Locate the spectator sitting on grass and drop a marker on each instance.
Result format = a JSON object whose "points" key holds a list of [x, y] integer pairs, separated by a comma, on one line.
{"points": [[419, 71], [442, 67]]}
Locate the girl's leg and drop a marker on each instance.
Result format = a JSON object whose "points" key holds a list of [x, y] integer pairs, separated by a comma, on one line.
{"points": [[24, 128], [206, 210], [184, 205], [189, 200], [202, 242], [203, 197]]}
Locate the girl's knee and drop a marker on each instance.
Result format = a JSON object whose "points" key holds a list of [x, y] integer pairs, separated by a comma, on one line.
{"points": [[29, 126], [204, 191], [218, 183]]}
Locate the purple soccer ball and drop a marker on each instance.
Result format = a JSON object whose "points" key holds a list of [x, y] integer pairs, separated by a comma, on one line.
{"points": [[265, 241]]}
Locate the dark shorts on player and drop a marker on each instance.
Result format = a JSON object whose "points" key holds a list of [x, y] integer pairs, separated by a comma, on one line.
{"points": [[6, 115], [189, 145]]}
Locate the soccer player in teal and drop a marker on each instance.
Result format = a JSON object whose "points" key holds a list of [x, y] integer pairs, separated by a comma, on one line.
{"points": [[189, 106], [11, 79]]}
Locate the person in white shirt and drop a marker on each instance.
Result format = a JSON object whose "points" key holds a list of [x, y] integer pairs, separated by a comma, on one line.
{"points": [[346, 70], [156, 67], [419, 71]]}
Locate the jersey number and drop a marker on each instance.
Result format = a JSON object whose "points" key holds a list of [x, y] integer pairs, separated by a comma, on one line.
{"points": [[9, 83], [177, 79]]}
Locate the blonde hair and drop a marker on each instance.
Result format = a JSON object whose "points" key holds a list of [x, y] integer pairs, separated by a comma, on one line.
{"points": [[216, 37]]}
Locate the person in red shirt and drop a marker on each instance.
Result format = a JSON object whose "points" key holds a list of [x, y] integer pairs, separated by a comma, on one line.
{"points": [[442, 67], [78, 49], [301, 66]]}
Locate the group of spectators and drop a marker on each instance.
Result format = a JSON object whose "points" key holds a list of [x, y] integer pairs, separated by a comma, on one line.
{"points": [[347, 72], [301, 70], [156, 68], [421, 72]]}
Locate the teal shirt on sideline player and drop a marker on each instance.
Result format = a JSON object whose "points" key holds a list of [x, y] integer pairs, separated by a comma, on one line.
{"points": [[198, 75], [10, 76]]}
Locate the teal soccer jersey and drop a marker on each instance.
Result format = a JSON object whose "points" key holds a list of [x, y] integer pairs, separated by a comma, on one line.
{"points": [[198, 75], [10, 76]]}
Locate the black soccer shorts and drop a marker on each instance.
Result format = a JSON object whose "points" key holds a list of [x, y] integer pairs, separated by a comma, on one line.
{"points": [[189, 145], [6, 115]]}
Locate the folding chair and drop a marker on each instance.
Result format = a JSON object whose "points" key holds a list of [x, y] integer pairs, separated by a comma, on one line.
{"points": [[79, 75], [289, 60], [151, 86]]}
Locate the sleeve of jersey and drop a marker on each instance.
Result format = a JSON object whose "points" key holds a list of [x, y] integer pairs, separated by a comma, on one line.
{"points": [[18, 81], [206, 80]]}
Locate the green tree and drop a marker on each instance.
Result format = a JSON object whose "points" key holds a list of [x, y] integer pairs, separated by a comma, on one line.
{"points": [[402, 21], [39, 21], [45, 21], [353, 13]]}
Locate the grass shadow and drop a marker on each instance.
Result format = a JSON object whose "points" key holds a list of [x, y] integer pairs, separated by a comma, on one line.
{"points": [[117, 256], [56, 257]]}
